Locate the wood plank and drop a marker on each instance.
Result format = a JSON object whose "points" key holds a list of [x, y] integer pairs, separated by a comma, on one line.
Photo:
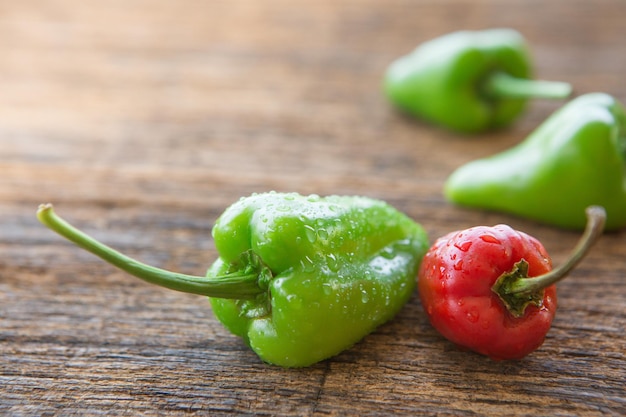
{"points": [[142, 121]]}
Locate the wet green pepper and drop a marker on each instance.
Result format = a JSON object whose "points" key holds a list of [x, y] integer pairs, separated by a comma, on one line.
{"points": [[575, 159], [300, 279], [468, 81]]}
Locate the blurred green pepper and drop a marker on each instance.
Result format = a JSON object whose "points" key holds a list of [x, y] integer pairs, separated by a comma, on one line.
{"points": [[299, 278], [575, 159], [468, 81]]}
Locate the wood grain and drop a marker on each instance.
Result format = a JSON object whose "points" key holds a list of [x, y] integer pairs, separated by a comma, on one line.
{"points": [[142, 121]]}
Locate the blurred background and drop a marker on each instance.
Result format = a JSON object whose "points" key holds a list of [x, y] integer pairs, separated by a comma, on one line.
{"points": [[142, 120], [216, 85]]}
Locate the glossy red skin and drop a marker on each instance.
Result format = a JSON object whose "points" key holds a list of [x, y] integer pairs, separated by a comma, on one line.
{"points": [[455, 280]]}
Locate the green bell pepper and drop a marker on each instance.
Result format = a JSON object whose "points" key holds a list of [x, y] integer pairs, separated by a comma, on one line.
{"points": [[575, 159], [468, 81], [299, 278]]}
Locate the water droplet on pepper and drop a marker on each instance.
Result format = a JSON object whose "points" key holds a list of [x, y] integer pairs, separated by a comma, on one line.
{"points": [[311, 235], [365, 297], [490, 239], [332, 262], [472, 315], [463, 246]]}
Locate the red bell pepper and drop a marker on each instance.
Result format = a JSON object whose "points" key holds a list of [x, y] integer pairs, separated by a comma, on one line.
{"points": [[491, 289]]}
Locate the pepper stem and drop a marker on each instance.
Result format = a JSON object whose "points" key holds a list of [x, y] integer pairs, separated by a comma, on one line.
{"points": [[517, 290], [244, 282], [501, 84]]}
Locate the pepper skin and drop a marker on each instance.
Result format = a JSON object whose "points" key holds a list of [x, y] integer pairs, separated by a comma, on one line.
{"points": [[468, 81], [455, 282], [310, 276], [576, 158], [491, 289]]}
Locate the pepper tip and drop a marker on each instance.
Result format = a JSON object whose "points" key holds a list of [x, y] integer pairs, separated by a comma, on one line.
{"points": [[44, 207], [44, 211], [597, 211]]}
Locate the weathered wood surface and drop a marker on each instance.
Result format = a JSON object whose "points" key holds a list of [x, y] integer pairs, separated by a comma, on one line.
{"points": [[142, 120]]}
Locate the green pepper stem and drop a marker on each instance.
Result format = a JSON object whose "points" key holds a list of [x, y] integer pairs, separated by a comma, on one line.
{"points": [[517, 291], [503, 85], [596, 217], [237, 285]]}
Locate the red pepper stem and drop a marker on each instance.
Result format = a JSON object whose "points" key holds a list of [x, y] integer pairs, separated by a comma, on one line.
{"points": [[239, 285], [503, 85], [596, 217]]}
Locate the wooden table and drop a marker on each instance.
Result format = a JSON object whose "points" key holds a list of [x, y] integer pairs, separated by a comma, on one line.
{"points": [[143, 120]]}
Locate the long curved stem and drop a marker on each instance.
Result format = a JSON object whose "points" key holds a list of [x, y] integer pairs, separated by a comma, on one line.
{"points": [[516, 290], [596, 217], [240, 284], [503, 85]]}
